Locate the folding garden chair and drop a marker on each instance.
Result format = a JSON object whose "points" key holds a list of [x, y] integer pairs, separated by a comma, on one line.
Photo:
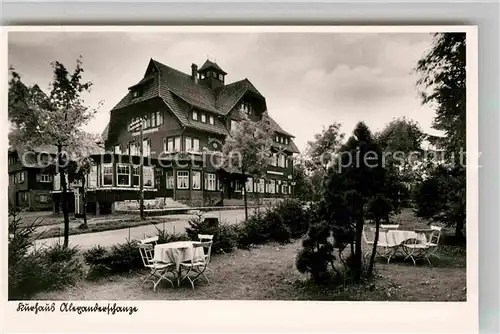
{"points": [[385, 248], [424, 246], [197, 266], [149, 240], [203, 238], [158, 270]]}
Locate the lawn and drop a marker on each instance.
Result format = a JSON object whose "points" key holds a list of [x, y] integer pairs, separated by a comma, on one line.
{"points": [[268, 273]]}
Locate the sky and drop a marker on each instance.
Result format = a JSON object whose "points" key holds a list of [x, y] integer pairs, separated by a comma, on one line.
{"points": [[309, 80]]}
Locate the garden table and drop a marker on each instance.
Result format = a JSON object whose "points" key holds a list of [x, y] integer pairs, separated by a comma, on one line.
{"points": [[393, 240], [398, 237], [178, 252]]}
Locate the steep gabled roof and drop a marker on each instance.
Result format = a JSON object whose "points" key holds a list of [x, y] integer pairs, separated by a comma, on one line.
{"points": [[180, 93], [229, 95], [277, 128], [210, 64], [105, 133]]}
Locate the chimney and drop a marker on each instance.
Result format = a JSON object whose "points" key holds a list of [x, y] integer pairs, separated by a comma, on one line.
{"points": [[194, 73]]}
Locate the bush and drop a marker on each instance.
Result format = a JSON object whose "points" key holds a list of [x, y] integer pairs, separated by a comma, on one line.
{"points": [[282, 222], [32, 271], [252, 231], [292, 214], [120, 258], [317, 253], [165, 237], [48, 269], [225, 236]]}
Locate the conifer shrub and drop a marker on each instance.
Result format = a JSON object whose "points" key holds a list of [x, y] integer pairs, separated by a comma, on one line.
{"points": [[32, 270]]}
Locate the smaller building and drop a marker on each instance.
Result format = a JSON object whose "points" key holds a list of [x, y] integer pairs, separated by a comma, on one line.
{"points": [[30, 184]]}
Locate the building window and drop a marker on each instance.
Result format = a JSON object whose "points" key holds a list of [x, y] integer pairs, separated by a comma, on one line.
{"points": [[221, 77], [22, 196], [196, 179], [214, 74], [136, 173], [261, 185], [249, 185], [123, 175], [159, 118], [146, 148], [237, 186], [170, 180], [210, 181], [20, 177], [284, 187], [211, 120], [117, 149], [133, 148], [148, 176], [45, 178], [192, 144], [107, 175], [233, 124], [195, 115], [246, 108], [203, 118], [286, 141], [172, 144], [272, 186], [277, 139], [281, 160], [177, 144], [12, 160], [43, 198], [136, 93], [182, 179]]}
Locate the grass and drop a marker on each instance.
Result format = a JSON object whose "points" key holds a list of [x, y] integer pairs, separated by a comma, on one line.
{"points": [[102, 226], [268, 273]]}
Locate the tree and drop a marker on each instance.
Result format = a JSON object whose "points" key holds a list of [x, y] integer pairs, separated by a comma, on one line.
{"points": [[378, 208], [442, 85], [78, 170], [303, 188], [56, 119], [442, 198], [320, 154], [247, 150], [321, 151], [401, 142], [352, 183]]}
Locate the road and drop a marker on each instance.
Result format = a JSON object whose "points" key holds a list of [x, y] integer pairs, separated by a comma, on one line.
{"points": [[108, 238]]}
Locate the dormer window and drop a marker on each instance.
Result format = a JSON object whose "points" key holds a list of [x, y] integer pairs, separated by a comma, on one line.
{"points": [[203, 118], [136, 93], [195, 115], [214, 74], [211, 120]]}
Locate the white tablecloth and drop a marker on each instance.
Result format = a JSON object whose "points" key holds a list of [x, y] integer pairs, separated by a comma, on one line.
{"points": [[396, 237], [177, 252]]}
